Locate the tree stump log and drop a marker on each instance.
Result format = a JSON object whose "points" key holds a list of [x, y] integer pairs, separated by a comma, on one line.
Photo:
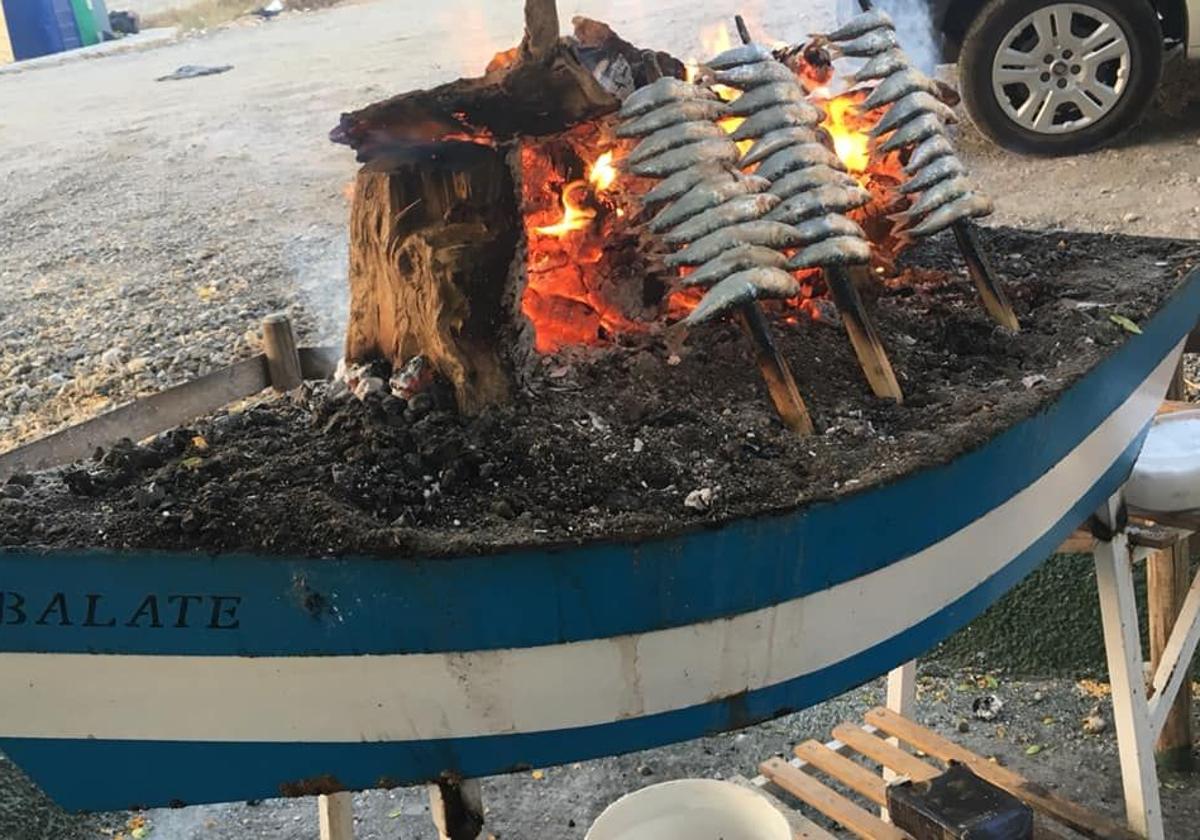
{"points": [[433, 237]]}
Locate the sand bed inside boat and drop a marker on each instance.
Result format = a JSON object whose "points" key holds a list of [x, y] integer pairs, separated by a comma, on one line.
{"points": [[622, 442]]}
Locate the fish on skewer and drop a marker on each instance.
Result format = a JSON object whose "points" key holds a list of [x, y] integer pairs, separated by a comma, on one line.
{"points": [[705, 196], [737, 56], [689, 110], [909, 107], [882, 66], [745, 208], [873, 43], [744, 287], [811, 177], [752, 75], [766, 96], [665, 91], [761, 232], [772, 119], [837, 251], [672, 137], [818, 202], [738, 258], [668, 163], [927, 151], [897, 85], [779, 139], [969, 206], [681, 182], [940, 170], [858, 25], [795, 157], [932, 198], [919, 128]]}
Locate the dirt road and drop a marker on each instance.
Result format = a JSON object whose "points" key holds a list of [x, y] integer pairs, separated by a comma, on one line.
{"points": [[146, 227]]}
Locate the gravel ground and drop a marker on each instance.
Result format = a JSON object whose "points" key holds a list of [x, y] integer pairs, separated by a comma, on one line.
{"points": [[146, 228]]}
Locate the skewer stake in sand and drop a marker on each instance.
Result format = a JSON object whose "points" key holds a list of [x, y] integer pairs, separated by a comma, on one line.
{"points": [[872, 357], [995, 301]]}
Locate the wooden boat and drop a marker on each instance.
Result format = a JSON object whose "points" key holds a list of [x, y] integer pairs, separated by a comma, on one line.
{"points": [[152, 678]]}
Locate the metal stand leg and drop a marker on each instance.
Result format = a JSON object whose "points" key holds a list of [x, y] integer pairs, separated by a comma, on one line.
{"points": [[457, 809], [335, 813], [1123, 646]]}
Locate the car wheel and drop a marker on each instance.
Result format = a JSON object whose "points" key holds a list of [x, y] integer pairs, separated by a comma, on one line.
{"points": [[1060, 78]]}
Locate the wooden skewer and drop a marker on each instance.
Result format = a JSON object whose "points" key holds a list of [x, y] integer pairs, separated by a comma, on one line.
{"points": [[742, 28], [781, 385], [872, 357], [995, 301]]}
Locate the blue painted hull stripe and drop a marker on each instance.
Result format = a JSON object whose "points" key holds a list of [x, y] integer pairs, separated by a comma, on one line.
{"points": [[104, 774], [533, 598]]}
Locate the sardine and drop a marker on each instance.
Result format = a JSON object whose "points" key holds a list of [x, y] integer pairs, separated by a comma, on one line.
{"points": [[743, 287], [679, 183], [803, 180], [817, 202], [691, 110], [898, 84], [882, 66], [662, 92], [765, 96], [685, 157], [868, 44], [732, 261], [928, 151], [781, 116], [920, 127], [753, 75], [744, 208], [759, 232], [970, 206], [909, 107], [797, 157], [861, 24], [941, 169], [746, 54], [705, 196], [827, 227], [940, 193], [672, 137], [840, 250], [777, 140]]}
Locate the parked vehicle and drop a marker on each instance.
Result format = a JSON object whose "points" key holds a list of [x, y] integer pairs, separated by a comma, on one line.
{"points": [[1054, 77]]}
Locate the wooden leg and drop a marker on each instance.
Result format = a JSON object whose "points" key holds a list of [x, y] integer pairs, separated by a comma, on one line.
{"points": [[901, 699], [335, 813], [1167, 583], [457, 809], [1123, 646]]}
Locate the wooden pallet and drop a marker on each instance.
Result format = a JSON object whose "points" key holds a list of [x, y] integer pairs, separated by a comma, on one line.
{"points": [[877, 742]]}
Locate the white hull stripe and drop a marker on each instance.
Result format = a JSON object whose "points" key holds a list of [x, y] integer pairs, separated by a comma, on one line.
{"points": [[420, 697]]}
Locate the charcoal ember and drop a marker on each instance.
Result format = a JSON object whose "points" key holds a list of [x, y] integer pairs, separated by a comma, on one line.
{"points": [[22, 479], [12, 491], [81, 483], [419, 406]]}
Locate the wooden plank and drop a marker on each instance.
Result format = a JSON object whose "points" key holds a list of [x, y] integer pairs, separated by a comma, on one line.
{"points": [[1176, 655], [142, 418], [335, 814], [854, 776], [881, 751], [1172, 406], [1152, 536], [319, 362], [1167, 584], [1038, 797], [829, 802], [1080, 542], [802, 827], [279, 346], [1123, 649], [1187, 520]]}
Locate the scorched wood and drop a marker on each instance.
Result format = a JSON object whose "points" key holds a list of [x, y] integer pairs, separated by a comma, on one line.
{"points": [[433, 233]]}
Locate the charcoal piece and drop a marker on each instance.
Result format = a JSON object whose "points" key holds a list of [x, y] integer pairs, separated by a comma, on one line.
{"points": [[958, 805]]}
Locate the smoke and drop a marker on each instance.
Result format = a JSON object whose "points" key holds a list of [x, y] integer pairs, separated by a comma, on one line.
{"points": [[914, 29], [317, 262]]}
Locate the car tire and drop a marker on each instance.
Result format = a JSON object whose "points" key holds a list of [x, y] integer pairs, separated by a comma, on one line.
{"points": [[992, 30]]}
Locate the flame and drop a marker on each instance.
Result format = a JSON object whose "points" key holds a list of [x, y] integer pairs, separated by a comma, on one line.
{"points": [[850, 140], [602, 174]]}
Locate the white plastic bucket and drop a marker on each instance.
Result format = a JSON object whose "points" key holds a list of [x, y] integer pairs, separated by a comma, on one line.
{"points": [[1166, 476], [691, 809]]}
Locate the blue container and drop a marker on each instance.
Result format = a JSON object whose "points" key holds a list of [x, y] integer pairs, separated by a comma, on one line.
{"points": [[40, 27]]}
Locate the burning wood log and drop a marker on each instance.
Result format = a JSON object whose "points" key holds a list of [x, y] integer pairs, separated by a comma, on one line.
{"points": [[433, 233]]}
